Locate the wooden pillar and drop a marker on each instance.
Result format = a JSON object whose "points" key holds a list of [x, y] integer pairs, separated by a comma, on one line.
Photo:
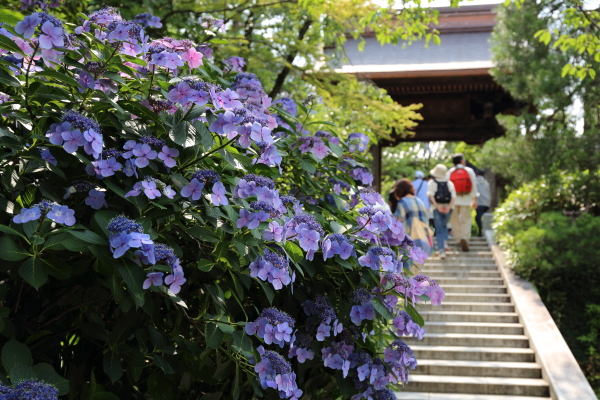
{"points": [[376, 167]]}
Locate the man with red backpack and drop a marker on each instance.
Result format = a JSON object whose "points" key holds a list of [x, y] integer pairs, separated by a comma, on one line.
{"points": [[465, 185]]}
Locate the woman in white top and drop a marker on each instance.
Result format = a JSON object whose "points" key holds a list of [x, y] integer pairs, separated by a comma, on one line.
{"points": [[442, 194]]}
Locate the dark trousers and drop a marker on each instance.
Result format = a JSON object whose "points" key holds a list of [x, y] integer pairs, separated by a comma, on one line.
{"points": [[480, 211]]}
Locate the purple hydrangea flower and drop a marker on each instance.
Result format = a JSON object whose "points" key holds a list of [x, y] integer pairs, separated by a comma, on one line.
{"points": [[27, 26], [27, 214], [144, 154], [193, 190], [175, 280], [153, 278], [167, 156], [96, 199], [62, 215], [55, 132], [218, 195], [52, 36], [72, 140], [47, 156]]}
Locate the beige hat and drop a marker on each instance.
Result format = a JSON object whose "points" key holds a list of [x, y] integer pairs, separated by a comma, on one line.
{"points": [[439, 171]]}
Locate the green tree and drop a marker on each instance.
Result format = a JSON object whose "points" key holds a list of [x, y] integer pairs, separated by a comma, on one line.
{"points": [[543, 137]]}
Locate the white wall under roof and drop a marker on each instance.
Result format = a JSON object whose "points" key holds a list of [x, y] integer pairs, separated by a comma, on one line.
{"points": [[457, 51]]}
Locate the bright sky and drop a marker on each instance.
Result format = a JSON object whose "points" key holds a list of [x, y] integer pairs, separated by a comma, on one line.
{"points": [[446, 3]]}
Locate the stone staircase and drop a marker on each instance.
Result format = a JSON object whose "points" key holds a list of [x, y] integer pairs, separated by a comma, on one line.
{"points": [[475, 348]]}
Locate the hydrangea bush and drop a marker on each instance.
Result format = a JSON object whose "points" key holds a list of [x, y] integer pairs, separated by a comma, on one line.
{"points": [[170, 231]]}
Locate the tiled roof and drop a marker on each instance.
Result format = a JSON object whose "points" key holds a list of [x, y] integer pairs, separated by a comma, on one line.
{"points": [[466, 50]]}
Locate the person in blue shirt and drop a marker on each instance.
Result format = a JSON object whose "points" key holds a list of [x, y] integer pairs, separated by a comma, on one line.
{"points": [[420, 185]]}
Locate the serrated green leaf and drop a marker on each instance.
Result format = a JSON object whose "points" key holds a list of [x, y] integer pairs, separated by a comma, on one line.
{"points": [[51, 74], [8, 79], [34, 272], [112, 365], [89, 237], [14, 353], [142, 112], [414, 314], [20, 373], [382, 309], [205, 265], [214, 336], [7, 44], [294, 251]]}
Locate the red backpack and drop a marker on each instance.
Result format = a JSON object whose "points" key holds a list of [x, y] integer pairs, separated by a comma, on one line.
{"points": [[462, 181]]}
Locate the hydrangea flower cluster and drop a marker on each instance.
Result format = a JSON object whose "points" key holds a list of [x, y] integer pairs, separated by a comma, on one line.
{"points": [[46, 209], [300, 347], [163, 253], [357, 142], [336, 243], [150, 187], [381, 258], [275, 372], [364, 310], [200, 179], [75, 131], [319, 311], [339, 355], [126, 234], [273, 266], [430, 288], [273, 325], [405, 326], [305, 229], [29, 389]]}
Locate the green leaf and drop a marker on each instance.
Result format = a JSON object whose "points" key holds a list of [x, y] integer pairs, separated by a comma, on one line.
{"points": [[89, 237], [20, 373], [214, 336], [11, 251], [140, 111], [45, 372], [203, 234], [382, 309], [162, 364], [104, 396], [241, 341], [267, 289], [7, 44], [34, 272], [293, 251], [159, 388], [307, 166], [112, 365], [58, 268], [14, 353], [219, 41], [205, 265], [51, 74], [8, 79], [10, 17], [183, 134], [414, 314], [134, 276]]}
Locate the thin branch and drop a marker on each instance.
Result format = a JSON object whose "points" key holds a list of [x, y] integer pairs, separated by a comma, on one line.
{"points": [[71, 309], [289, 59]]}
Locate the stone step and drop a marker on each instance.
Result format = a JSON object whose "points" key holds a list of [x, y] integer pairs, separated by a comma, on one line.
{"points": [[474, 289], [460, 396], [478, 385], [473, 353], [470, 339], [467, 316], [457, 267], [474, 327], [464, 261], [463, 306], [477, 297], [463, 273], [467, 281], [475, 253], [478, 368]]}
